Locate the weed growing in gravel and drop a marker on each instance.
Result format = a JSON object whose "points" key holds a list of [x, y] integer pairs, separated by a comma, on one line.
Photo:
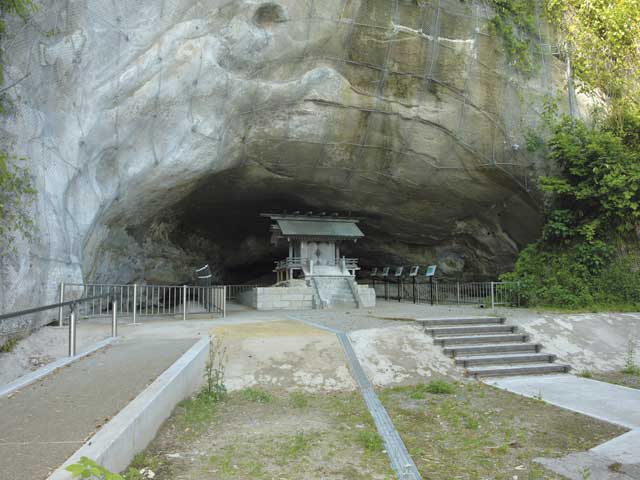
{"points": [[298, 399], [370, 441], [9, 345], [630, 365], [296, 447], [214, 370], [256, 395], [586, 374]]}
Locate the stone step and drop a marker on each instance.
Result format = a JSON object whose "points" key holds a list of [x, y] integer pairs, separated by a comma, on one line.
{"points": [[505, 358], [467, 329], [468, 350], [526, 369], [432, 322], [495, 338]]}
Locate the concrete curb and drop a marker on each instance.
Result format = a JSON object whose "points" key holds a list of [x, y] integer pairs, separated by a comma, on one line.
{"points": [[137, 424], [33, 377]]}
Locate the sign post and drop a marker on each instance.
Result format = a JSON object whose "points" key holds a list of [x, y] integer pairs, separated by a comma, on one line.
{"points": [[413, 273], [431, 271]]}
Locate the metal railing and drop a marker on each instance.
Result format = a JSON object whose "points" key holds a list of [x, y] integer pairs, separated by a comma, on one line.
{"points": [[234, 291], [351, 263], [295, 263], [74, 306], [149, 300], [446, 293]]}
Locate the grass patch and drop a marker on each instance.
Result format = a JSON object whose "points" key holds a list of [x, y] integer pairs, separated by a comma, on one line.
{"points": [[586, 374], [370, 440], [618, 378], [482, 432], [10, 345], [298, 400], [421, 390], [256, 395]]}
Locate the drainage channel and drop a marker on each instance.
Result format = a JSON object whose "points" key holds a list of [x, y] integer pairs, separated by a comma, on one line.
{"points": [[397, 452]]}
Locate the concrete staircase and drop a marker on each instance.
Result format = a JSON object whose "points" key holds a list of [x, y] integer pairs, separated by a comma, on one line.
{"points": [[487, 347], [335, 291]]}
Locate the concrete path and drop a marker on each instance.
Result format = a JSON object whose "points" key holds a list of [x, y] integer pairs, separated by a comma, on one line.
{"points": [[43, 424], [605, 401], [617, 459]]}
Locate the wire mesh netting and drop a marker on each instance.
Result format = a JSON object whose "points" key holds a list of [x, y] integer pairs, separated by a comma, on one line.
{"points": [[427, 88]]}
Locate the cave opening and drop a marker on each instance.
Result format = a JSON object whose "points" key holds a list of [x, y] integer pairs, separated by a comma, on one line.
{"points": [[215, 220], [222, 217]]}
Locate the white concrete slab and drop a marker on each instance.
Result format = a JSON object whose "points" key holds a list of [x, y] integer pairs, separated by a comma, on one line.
{"points": [[623, 449], [604, 401]]}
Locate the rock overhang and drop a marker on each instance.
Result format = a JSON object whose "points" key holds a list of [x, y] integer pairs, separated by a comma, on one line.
{"points": [[404, 113]]}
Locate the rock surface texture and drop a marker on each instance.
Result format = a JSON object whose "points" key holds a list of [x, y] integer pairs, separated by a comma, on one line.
{"points": [[157, 130]]}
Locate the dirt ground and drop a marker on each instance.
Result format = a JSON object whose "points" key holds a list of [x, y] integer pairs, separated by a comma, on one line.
{"points": [[269, 434], [284, 354], [480, 432], [619, 378]]}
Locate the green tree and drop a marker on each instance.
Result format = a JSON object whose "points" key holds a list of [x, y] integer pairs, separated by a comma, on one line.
{"points": [[603, 39], [16, 189], [598, 186]]}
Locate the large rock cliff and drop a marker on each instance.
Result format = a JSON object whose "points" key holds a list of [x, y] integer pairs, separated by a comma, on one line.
{"points": [[157, 130]]}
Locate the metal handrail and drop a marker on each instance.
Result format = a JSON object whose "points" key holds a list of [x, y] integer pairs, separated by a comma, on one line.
{"points": [[72, 303], [72, 318]]}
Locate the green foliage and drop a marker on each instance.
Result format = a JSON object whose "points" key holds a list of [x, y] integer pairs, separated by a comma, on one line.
{"points": [[576, 276], [630, 365], [298, 400], [87, 468], [16, 194], [9, 345], [370, 440], [599, 183], [16, 188], [514, 23], [21, 8], [215, 369], [437, 387], [533, 140], [256, 395], [604, 43]]}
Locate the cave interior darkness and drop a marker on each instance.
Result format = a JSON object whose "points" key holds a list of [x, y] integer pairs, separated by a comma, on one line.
{"points": [[222, 213], [225, 210]]}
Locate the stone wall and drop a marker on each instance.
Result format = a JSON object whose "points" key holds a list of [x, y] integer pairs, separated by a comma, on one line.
{"points": [[22, 326], [278, 298], [367, 296]]}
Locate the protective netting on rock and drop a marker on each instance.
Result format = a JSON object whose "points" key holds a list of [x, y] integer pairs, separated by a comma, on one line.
{"points": [[405, 111]]}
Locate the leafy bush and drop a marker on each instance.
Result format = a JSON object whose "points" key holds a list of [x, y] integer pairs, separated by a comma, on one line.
{"points": [[589, 253]]}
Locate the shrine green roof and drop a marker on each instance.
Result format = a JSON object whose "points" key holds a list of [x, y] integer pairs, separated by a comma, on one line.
{"points": [[302, 226]]}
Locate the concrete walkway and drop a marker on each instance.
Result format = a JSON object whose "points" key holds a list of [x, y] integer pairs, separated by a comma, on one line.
{"points": [[617, 459], [43, 424]]}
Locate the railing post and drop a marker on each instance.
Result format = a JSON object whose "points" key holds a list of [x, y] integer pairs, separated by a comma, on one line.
{"points": [[458, 291], [224, 301], [135, 302], [184, 302], [493, 297], [61, 309], [114, 318], [72, 332]]}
